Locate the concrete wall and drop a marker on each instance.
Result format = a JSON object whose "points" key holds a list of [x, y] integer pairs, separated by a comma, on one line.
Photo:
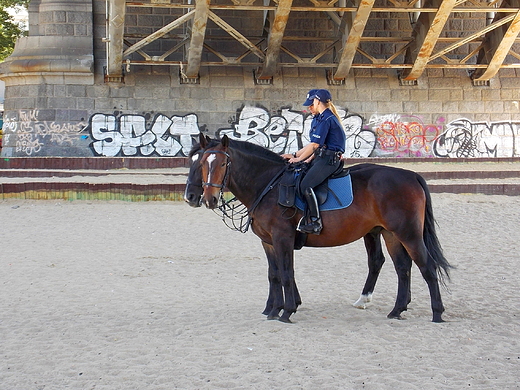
{"points": [[57, 103]]}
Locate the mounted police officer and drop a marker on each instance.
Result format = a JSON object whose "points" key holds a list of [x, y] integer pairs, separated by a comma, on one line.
{"points": [[327, 144]]}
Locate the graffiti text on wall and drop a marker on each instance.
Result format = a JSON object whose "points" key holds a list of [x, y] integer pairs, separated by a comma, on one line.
{"points": [[463, 138], [404, 136], [130, 136], [288, 131], [32, 134], [285, 131]]}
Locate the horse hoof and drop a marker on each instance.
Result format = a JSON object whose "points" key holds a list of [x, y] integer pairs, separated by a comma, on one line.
{"points": [[438, 320], [395, 317], [362, 302], [270, 318], [285, 320]]}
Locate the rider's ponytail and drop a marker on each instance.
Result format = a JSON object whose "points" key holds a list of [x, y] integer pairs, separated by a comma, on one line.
{"points": [[332, 107], [325, 98]]}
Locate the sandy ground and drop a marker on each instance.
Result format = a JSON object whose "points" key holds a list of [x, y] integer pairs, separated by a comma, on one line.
{"points": [[113, 295]]}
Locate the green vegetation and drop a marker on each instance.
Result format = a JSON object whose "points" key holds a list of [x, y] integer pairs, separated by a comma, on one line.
{"points": [[10, 31]]}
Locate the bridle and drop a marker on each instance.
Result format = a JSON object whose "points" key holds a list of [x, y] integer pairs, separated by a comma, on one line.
{"points": [[226, 174], [235, 215]]}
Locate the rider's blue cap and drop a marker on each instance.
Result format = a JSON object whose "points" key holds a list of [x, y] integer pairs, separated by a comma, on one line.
{"points": [[310, 97], [323, 95]]}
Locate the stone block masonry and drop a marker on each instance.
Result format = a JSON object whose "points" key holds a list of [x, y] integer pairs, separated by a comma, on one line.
{"points": [[58, 103]]}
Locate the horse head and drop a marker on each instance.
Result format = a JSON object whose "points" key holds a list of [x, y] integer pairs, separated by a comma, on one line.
{"points": [[215, 170], [193, 192]]}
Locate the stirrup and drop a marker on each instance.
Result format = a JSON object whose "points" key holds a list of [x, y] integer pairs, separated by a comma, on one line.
{"points": [[313, 227]]}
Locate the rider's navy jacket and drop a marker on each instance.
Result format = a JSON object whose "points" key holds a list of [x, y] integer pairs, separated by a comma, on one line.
{"points": [[326, 130]]}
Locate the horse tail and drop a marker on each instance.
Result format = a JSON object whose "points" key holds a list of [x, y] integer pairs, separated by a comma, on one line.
{"points": [[436, 256]]}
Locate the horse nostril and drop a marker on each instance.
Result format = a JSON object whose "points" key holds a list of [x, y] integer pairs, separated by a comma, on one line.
{"points": [[211, 203]]}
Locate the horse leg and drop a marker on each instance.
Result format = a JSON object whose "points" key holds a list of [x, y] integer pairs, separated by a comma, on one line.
{"points": [[403, 265], [274, 302], [376, 260], [419, 254], [284, 254]]}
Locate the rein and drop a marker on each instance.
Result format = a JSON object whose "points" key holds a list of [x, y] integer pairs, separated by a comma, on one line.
{"points": [[233, 209], [236, 212]]}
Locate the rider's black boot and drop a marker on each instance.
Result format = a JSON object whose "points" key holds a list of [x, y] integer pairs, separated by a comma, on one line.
{"points": [[314, 226]]}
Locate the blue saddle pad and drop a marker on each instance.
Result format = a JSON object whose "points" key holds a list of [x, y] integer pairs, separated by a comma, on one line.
{"points": [[340, 195]]}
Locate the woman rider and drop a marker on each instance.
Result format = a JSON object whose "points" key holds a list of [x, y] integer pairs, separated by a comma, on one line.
{"points": [[327, 144]]}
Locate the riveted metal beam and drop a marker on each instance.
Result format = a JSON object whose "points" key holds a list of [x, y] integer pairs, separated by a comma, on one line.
{"points": [[492, 46], [275, 39], [355, 31], [426, 33], [198, 30], [159, 33], [116, 10], [237, 35], [497, 45]]}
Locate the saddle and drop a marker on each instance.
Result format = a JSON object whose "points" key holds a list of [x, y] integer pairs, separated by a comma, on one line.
{"points": [[289, 188]]}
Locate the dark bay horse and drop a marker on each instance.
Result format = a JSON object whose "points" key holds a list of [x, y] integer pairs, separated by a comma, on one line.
{"points": [[391, 202], [372, 240]]}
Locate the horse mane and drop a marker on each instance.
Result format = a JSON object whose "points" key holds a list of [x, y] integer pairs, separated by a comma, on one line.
{"points": [[194, 149], [244, 147], [255, 150]]}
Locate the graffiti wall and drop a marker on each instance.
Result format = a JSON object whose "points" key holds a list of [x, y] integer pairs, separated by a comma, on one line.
{"points": [[285, 131], [463, 138], [29, 135]]}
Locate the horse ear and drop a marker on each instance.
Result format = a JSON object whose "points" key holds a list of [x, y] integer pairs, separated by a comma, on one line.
{"points": [[225, 141], [202, 141]]}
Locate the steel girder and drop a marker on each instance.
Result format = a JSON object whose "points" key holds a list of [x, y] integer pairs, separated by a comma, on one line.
{"points": [[487, 43]]}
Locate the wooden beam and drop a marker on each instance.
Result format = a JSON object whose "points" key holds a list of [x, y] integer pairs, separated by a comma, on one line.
{"points": [[497, 44], [354, 37], [275, 39], [426, 33], [198, 31]]}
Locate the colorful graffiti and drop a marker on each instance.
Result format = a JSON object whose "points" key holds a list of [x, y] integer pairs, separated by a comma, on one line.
{"points": [[399, 136], [393, 135], [285, 131]]}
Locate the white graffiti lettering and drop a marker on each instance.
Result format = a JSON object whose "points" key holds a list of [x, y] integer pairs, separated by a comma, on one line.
{"points": [[465, 139], [288, 132], [31, 135], [128, 135]]}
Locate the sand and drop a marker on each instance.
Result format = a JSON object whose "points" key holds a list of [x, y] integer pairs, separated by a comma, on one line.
{"points": [[157, 295]]}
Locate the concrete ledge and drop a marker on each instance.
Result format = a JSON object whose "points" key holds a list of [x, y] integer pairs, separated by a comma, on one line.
{"points": [[92, 191], [174, 162], [146, 179], [175, 192], [101, 163]]}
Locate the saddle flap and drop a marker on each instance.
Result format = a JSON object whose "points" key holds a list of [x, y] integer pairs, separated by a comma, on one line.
{"points": [[287, 189], [322, 192]]}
